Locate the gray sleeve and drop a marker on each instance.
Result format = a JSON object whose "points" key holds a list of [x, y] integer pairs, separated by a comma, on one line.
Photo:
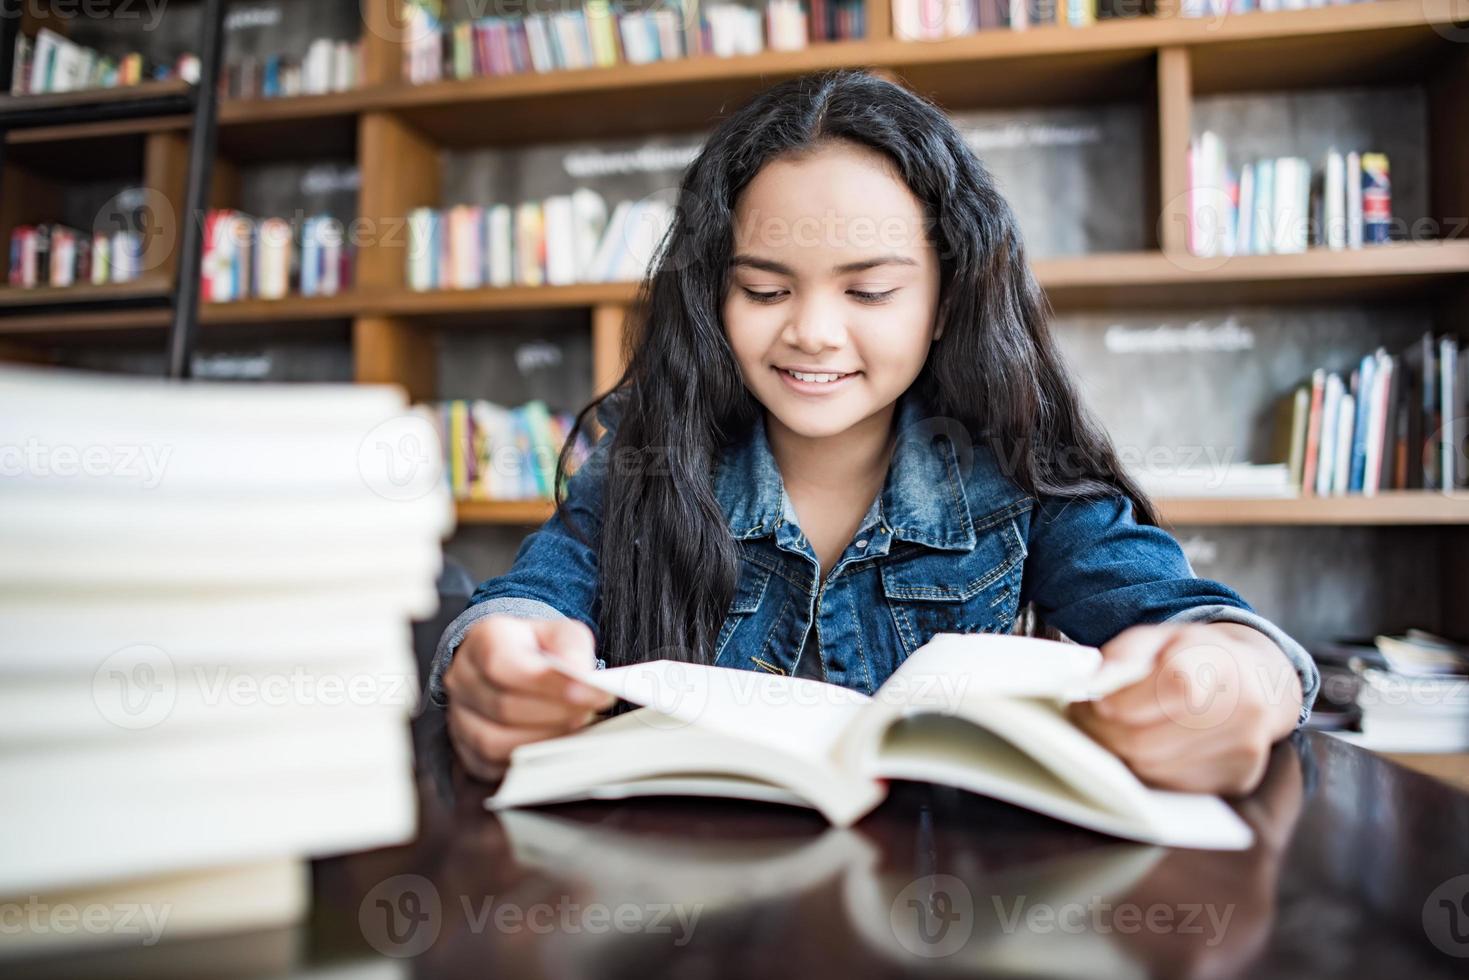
{"points": [[454, 634], [1304, 666]]}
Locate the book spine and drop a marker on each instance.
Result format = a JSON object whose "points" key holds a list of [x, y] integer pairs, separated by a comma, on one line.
{"points": [[1359, 423], [1376, 199]]}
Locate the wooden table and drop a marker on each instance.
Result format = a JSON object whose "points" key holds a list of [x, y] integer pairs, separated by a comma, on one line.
{"points": [[1359, 869]]}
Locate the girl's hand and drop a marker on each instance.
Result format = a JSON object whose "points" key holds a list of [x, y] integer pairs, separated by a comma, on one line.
{"points": [[503, 692], [1203, 720]]}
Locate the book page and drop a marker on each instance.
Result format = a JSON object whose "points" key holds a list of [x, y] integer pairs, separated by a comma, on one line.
{"points": [[953, 666], [792, 714]]}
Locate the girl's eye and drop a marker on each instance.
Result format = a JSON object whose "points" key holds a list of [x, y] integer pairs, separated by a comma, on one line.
{"points": [[758, 297], [873, 297]]}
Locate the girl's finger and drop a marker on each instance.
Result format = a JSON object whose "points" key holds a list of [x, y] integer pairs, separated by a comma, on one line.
{"points": [[473, 691], [514, 661], [490, 742]]}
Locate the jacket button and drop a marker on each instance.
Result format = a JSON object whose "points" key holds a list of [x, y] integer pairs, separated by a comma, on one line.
{"points": [[861, 542]]}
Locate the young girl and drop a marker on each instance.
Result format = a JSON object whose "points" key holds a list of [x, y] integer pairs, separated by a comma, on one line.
{"points": [[844, 427]]}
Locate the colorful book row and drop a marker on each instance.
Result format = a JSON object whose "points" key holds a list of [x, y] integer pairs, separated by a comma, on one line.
{"points": [[270, 258], [562, 240], [598, 35], [56, 255], [492, 452], [1395, 422], [54, 63], [1278, 205]]}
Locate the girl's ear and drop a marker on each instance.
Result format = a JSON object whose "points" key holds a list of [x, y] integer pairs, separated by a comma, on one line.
{"points": [[939, 332]]}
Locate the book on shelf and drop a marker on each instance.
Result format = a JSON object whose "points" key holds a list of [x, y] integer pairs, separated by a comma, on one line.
{"points": [[1219, 8], [205, 656], [1394, 422], [492, 452], [329, 65], [1276, 205], [57, 255], [270, 258], [599, 34], [561, 240], [53, 62], [935, 20], [980, 712]]}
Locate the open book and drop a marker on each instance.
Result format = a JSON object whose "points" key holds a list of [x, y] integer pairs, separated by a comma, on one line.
{"points": [[979, 712]]}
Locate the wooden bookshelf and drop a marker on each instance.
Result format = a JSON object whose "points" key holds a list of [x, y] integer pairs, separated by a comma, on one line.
{"points": [[398, 132]]}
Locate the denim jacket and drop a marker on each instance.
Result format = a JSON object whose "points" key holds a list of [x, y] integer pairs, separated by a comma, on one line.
{"points": [[949, 545]]}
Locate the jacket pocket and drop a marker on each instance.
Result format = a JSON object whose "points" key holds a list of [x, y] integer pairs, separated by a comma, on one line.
{"points": [[749, 594], [930, 591]]}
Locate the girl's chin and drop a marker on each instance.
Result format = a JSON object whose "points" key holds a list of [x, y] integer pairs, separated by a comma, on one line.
{"points": [[817, 421]]}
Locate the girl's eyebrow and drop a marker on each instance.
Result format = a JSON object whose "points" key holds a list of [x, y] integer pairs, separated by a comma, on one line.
{"points": [[770, 265]]}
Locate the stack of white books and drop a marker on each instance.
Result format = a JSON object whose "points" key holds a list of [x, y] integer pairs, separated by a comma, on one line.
{"points": [[206, 665], [1420, 701]]}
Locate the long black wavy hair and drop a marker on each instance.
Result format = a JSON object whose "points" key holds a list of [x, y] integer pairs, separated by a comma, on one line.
{"points": [[668, 566]]}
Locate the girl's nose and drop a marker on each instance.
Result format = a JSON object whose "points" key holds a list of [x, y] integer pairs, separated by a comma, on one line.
{"points": [[815, 326]]}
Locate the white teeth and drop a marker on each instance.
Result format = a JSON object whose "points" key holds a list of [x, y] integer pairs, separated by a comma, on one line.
{"points": [[819, 378]]}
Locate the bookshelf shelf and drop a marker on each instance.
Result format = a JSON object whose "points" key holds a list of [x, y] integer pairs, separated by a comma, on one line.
{"points": [[1101, 282], [491, 299], [1143, 279], [518, 512], [1397, 507], [97, 104], [69, 298], [300, 126], [1401, 507], [286, 310]]}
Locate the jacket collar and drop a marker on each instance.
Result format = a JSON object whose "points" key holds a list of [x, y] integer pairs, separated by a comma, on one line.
{"points": [[931, 484]]}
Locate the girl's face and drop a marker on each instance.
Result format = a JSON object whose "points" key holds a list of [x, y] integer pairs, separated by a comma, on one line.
{"points": [[833, 288]]}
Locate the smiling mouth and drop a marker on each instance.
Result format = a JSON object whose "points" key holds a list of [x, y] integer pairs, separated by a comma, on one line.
{"points": [[816, 377]]}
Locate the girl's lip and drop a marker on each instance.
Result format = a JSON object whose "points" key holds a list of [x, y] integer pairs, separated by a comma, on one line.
{"points": [[814, 387]]}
